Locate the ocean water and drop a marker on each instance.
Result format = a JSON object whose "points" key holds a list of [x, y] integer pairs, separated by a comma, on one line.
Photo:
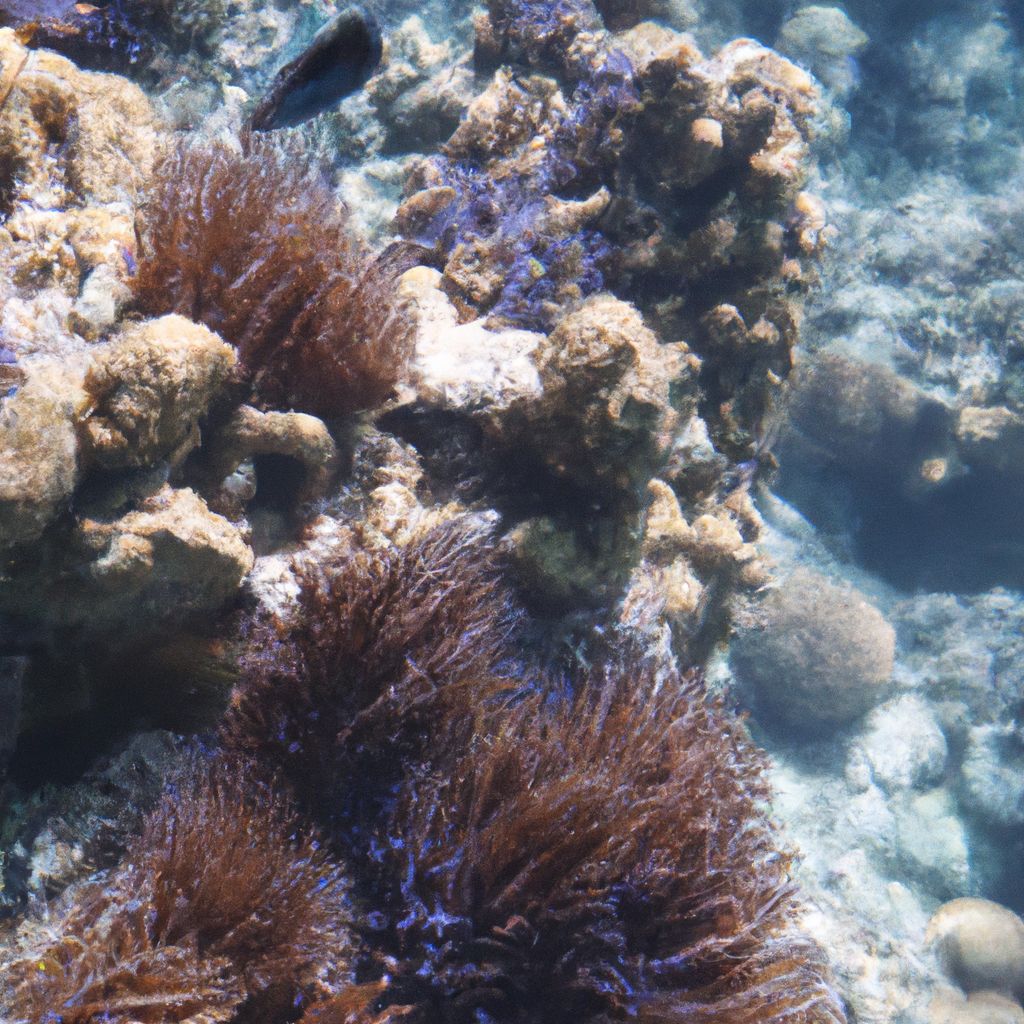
{"points": [[697, 325]]}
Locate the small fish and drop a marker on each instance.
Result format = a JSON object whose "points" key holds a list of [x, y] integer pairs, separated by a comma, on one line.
{"points": [[340, 59]]}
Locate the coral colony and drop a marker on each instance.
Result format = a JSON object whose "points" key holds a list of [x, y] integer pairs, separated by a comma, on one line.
{"points": [[368, 527]]}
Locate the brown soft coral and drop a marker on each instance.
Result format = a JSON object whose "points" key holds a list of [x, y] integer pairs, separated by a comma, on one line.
{"points": [[217, 910], [601, 857], [256, 246], [385, 648]]}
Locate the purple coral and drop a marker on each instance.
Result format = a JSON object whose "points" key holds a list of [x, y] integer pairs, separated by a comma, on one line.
{"points": [[541, 267]]}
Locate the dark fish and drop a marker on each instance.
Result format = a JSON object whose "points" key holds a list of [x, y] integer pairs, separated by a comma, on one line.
{"points": [[340, 59]]}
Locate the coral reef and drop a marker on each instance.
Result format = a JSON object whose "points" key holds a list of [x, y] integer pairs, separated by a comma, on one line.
{"points": [[219, 406], [529, 211], [218, 912], [254, 245], [498, 874], [502, 874], [690, 575]]}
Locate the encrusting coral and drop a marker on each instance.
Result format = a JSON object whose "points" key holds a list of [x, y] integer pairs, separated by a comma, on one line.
{"points": [[254, 244]]}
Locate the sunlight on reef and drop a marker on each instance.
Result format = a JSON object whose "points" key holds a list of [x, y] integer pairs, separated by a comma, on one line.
{"points": [[510, 512]]}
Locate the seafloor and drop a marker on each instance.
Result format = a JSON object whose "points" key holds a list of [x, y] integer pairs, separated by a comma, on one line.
{"points": [[416, 523]]}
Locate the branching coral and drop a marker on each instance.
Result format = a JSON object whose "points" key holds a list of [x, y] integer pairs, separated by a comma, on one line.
{"points": [[256, 246], [388, 652], [218, 912], [603, 857]]}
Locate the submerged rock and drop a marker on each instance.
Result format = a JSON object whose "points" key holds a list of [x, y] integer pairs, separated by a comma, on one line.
{"points": [[903, 745], [826, 41], [817, 656], [150, 386], [975, 1008], [167, 560], [992, 774], [39, 464], [980, 945], [170, 558], [73, 133]]}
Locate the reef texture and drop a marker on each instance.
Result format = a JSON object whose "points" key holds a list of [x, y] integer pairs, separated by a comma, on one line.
{"points": [[429, 534], [554, 188]]}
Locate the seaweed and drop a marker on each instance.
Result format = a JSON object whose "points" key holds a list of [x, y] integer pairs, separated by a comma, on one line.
{"points": [[254, 244], [518, 849]]}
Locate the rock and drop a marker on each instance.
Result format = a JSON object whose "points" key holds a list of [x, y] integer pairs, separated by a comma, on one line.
{"points": [[558, 572], [980, 945], [167, 560], [992, 774], [39, 465], [421, 92], [610, 398], [825, 40], [817, 655], [596, 402], [992, 439], [74, 133], [295, 435], [653, 119], [930, 844], [151, 385], [99, 302], [903, 745], [69, 831], [466, 367], [870, 420], [171, 557], [951, 1007]]}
